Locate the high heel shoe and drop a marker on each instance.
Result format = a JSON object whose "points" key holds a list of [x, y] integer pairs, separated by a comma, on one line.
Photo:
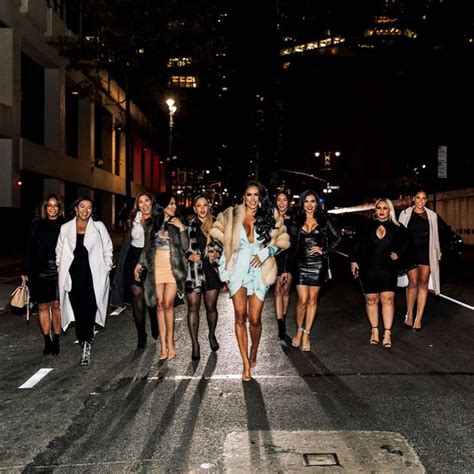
{"points": [[405, 324], [48, 344], [196, 353], [246, 375], [308, 347], [213, 343], [293, 343], [387, 338], [374, 339], [55, 349]]}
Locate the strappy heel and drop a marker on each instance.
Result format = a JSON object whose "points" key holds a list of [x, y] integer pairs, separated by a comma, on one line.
{"points": [[387, 338], [308, 347], [374, 340], [293, 343]]}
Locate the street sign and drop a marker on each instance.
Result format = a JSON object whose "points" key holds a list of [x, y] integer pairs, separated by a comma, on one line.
{"points": [[442, 161]]}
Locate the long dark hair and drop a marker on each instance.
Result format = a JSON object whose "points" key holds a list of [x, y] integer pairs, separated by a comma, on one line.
{"points": [[72, 209], [289, 211], [162, 201], [264, 219], [319, 214]]}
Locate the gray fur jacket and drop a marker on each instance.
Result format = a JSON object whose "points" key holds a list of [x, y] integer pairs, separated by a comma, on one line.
{"points": [[179, 242]]}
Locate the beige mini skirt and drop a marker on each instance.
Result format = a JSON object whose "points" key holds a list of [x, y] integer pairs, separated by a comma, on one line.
{"points": [[163, 271]]}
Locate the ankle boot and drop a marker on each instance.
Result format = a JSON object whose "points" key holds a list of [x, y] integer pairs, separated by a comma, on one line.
{"points": [[55, 345], [281, 329], [142, 341], [48, 344]]}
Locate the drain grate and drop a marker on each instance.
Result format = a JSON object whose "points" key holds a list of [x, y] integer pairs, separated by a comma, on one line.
{"points": [[320, 459]]}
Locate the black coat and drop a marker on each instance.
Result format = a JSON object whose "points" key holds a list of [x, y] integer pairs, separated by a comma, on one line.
{"points": [[118, 289]]}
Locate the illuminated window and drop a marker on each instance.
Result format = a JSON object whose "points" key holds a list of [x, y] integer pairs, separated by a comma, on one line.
{"points": [[179, 62], [188, 82]]}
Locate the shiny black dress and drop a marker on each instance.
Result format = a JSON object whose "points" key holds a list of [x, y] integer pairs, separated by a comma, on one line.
{"points": [[312, 270], [377, 271]]}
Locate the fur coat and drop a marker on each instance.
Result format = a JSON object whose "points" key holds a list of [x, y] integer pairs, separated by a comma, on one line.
{"points": [[227, 229], [179, 241]]}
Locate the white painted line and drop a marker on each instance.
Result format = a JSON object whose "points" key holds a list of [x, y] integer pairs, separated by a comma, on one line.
{"points": [[34, 379], [222, 377], [456, 301], [118, 310]]}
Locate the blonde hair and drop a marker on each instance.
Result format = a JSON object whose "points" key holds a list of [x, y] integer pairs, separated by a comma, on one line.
{"points": [[392, 216], [206, 225]]}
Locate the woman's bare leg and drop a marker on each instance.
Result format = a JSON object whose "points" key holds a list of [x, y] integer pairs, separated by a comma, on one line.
{"points": [[422, 296], [239, 301], [255, 318]]}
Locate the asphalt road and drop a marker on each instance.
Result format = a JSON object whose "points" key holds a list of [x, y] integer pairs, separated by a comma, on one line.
{"points": [[129, 412]]}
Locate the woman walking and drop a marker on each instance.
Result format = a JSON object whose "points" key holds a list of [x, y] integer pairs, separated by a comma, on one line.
{"points": [[84, 260], [250, 237], [315, 238], [285, 268], [164, 259], [422, 224], [125, 284], [203, 278], [39, 270], [374, 259]]}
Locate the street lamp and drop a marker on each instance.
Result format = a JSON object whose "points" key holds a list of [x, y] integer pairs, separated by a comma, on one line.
{"points": [[172, 110], [327, 157]]}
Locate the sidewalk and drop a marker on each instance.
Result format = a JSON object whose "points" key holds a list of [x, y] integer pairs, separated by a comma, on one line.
{"points": [[10, 269]]}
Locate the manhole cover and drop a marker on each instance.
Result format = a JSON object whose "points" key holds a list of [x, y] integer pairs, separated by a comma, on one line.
{"points": [[320, 459]]}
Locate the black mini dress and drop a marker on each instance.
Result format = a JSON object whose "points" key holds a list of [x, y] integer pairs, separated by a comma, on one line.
{"points": [[311, 269], [419, 230]]}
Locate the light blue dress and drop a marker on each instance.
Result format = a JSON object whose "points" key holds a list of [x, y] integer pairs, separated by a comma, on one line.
{"points": [[242, 273]]}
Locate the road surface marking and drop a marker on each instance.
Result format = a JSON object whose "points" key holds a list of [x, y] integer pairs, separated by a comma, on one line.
{"points": [[222, 377], [34, 379]]}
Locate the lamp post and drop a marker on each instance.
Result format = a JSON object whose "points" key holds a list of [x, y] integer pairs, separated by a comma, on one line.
{"points": [[171, 111], [327, 158]]}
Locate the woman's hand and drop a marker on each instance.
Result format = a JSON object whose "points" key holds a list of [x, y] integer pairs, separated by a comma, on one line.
{"points": [[24, 278], [137, 272], [394, 256], [195, 257], [213, 255], [255, 262], [177, 223], [316, 249], [283, 279], [354, 269]]}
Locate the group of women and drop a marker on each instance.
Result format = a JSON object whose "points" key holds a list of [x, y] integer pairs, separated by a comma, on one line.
{"points": [[249, 247]]}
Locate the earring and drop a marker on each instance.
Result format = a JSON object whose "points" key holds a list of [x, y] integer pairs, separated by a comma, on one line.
{"points": [[259, 204]]}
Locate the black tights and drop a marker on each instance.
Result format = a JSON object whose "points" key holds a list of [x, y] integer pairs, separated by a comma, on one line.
{"points": [[139, 313], [194, 304]]}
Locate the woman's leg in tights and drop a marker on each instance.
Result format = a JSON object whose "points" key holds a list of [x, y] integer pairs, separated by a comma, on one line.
{"points": [[194, 304], [210, 301], [139, 312]]}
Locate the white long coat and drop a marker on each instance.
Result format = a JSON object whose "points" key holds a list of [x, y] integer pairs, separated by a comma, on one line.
{"points": [[100, 248]]}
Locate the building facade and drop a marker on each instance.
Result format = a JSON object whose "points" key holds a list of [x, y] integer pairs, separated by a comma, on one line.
{"points": [[56, 135]]}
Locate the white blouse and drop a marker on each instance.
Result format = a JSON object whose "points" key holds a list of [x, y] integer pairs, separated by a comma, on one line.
{"points": [[138, 232]]}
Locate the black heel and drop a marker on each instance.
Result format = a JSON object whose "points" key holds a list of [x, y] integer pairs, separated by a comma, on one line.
{"points": [[196, 354], [281, 329], [213, 343], [388, 344]]}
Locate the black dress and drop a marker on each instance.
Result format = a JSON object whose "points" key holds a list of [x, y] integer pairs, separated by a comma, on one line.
{"points": [[378, 272], [82, 296], [40, 260], [419, 230], [312, 270], [284, 260]]}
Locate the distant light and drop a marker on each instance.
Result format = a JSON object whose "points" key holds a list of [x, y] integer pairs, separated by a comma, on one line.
{"points": [[74, 92], [296, 196], [207, 171], [170, 102], [19, 182], [423, 166], [316, 154], [337, 153], [179, 191]]}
